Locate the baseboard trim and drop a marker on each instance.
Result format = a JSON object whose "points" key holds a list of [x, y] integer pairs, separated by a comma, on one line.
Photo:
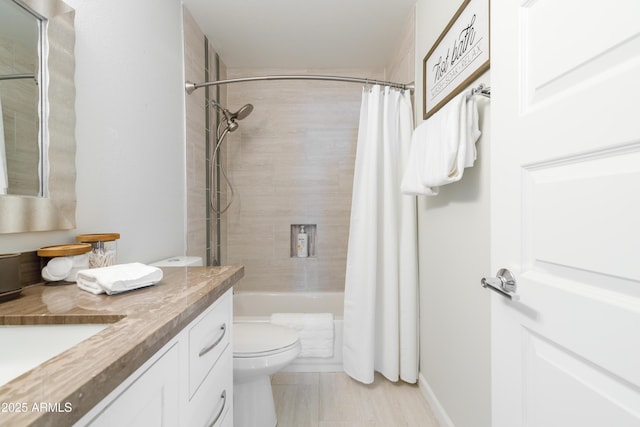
{"points": [[433, 401]]}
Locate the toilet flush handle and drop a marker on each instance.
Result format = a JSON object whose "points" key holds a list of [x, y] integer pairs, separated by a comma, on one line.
{"points": [[206, 349]]}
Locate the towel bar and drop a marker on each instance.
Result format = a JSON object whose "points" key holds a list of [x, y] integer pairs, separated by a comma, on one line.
{"points": [[482, 90]]}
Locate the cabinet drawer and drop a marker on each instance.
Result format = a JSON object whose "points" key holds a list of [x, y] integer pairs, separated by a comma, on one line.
{"points": [[208, 338], [212, 405]]}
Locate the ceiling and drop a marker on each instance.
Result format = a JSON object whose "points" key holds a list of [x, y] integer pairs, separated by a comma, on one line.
{"points": [[302, 33]]}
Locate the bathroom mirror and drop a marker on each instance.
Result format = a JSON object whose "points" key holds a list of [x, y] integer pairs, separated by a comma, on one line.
{"points": [[37, 164]]}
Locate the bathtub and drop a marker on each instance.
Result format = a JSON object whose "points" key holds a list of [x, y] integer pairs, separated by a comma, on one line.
{"points": [[258, 307]]}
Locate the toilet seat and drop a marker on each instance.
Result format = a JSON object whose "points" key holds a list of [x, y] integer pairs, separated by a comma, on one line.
{"points": [[262, 339]]}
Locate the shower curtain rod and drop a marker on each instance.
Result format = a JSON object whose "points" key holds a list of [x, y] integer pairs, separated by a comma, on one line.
{"points": [[17, 76], [190, 86]]}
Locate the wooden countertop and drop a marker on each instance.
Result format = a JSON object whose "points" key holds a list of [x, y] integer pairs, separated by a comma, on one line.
{"points": [[143, 321]]}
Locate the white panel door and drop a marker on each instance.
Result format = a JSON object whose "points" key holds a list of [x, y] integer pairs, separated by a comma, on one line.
{"points": [[566, 212]]}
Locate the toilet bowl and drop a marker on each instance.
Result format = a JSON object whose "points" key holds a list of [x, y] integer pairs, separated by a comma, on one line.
{"points": [[259, 351]]}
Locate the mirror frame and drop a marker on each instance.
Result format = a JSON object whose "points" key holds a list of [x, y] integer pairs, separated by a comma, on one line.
{"points": [[57, 209]]}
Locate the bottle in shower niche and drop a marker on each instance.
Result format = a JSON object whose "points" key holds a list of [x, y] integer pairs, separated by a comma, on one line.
{"points": [[302, 244]]}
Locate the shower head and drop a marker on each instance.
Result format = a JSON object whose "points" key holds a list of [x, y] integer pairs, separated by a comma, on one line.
{"points": [[232, 125], [243, 112], [232, 118]]}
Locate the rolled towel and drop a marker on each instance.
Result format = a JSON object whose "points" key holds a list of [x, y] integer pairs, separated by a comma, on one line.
{"points": [[118, 278], [314, 329]]}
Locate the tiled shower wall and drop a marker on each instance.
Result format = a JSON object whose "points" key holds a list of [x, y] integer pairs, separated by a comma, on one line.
{"points": [[197, 67], [290, 162]]}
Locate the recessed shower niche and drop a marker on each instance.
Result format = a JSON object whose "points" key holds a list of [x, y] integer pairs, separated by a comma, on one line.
{"points": [[303, 240]]}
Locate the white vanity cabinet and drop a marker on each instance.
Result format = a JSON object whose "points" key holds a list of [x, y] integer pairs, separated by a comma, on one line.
{"points": [[189, 382], [149, 397]]}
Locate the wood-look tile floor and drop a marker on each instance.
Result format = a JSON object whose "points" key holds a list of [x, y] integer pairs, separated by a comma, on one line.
{"points": [[335, 400]]}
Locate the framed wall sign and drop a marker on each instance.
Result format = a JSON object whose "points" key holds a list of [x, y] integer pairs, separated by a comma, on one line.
{"points": [[458, 57]]}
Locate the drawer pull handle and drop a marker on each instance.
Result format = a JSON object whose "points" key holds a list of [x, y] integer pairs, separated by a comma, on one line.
{"points": [[210, 347], [223, 396]]}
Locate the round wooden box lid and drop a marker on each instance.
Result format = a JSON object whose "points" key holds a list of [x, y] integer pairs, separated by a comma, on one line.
{"points": [[64, 250], [97, 237]]}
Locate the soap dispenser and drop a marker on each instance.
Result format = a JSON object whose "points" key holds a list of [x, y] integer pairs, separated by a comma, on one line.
{"points": [[302, 243]]}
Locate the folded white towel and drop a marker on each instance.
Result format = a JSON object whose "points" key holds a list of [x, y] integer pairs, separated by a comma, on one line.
{"points": [[442, 147], [118, 278], [315, 331]]}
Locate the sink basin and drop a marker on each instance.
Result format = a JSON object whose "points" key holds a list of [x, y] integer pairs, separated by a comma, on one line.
{"points": [[25, 347]]}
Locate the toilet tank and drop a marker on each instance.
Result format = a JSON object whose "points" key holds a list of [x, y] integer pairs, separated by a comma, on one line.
{"points": [[179, 261]]}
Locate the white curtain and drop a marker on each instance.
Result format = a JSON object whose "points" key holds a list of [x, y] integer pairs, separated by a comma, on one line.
{"points": [[381, 286]]}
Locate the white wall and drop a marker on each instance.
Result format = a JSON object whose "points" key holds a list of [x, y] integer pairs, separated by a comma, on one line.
{"points": [[454, 255], [129, 129]]}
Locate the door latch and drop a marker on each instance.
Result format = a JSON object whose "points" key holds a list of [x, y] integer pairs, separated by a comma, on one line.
{"points": [[504, 283]]}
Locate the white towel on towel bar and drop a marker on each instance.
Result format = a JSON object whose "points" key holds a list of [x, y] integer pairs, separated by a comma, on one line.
{"points": [[118, 278], [442, 147], [314, 329]]}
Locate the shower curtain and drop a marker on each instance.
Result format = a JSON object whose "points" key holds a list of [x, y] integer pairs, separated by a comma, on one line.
{"points": [[381, 284]]}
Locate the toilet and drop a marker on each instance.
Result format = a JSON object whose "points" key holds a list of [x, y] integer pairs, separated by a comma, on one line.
{"points": [[259, 351]]}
